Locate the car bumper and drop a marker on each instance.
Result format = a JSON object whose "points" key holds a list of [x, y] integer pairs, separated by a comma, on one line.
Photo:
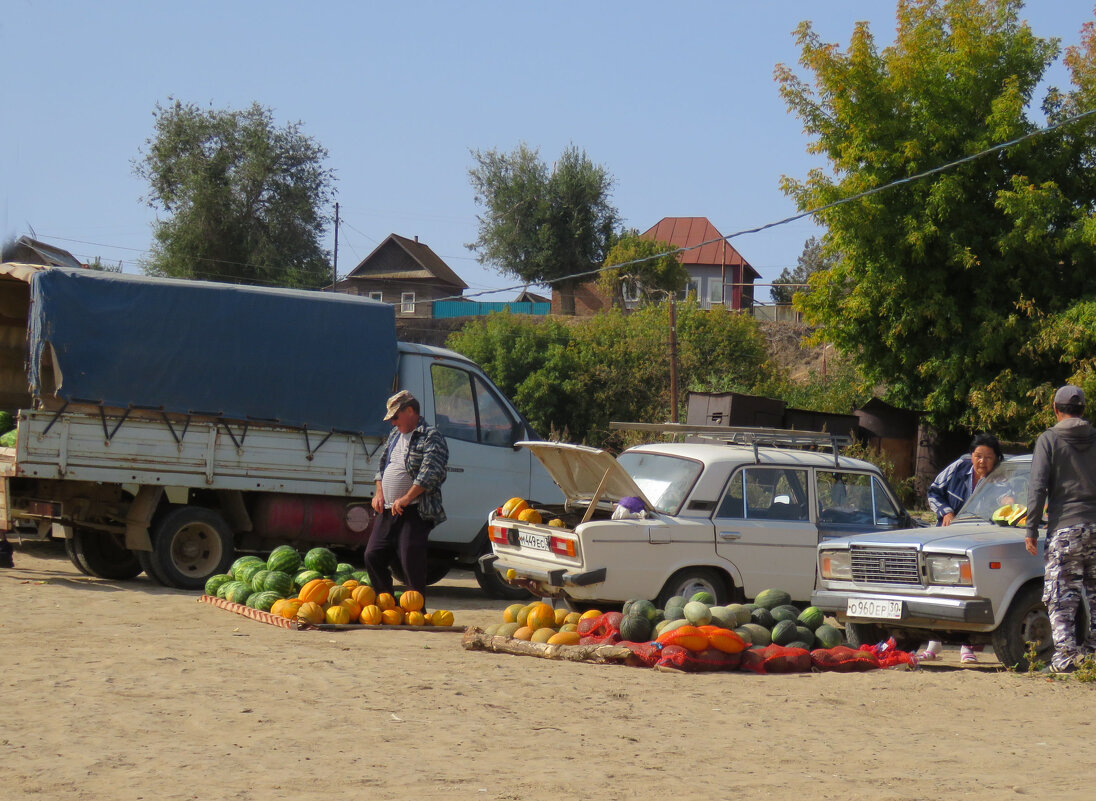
{"points": [[917, 611], [560, 578]]}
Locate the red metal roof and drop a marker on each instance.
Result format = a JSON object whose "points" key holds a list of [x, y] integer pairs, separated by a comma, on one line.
{"points": [[688, 232]]}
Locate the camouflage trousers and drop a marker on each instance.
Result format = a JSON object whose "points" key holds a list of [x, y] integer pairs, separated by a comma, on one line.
{"points": [[1069, 581]]}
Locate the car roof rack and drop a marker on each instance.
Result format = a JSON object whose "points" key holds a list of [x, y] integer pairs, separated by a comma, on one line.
{"points": [[747, 435]]}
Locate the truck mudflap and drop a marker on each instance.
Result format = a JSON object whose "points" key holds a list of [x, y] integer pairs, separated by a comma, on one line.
{"points": [[955, 610], [558, 577]]}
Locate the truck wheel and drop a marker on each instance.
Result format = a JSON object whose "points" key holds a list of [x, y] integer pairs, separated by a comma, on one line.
{"points": [[691, 580], [144, 559], [105, 555], [70, 552], [190, 544], [1026, 621]]}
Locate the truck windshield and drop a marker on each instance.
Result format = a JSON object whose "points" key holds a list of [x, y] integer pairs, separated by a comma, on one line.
{"points": [[1007, 484], [665, 480]]}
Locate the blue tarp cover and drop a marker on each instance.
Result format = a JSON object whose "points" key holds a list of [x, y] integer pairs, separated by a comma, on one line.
{"points": [[315, 359]]}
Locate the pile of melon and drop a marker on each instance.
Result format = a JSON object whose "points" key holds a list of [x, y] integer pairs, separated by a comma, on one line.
{"points": [[520, 510], [539, 622], [769, 619], [317, 588]]}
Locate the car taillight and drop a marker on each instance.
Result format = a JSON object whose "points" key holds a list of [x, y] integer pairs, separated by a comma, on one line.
{"points": [[561, 546], [498, 534]]}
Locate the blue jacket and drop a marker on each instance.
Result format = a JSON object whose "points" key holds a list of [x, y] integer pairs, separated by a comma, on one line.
{"points": [[427, 460], [950, 490]]}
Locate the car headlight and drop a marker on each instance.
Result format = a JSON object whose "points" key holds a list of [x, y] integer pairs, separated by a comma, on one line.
{"points": [[948, 569], [835, 565]]}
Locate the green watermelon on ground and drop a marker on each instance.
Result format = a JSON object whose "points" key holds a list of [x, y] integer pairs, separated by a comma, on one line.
{"points": [[698, 613], [306, 576], [827, 636], [258, 579], [250, 559], [263, 600], [322, 560], [784, 632], [635, 628], [785, 612], [285, 559], [279, 582], [812, 617], [772, 598], [247, 571], [238, 592], [214, 582]]}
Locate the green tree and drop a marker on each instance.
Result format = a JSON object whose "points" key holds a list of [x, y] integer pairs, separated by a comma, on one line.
{"points": [[650, 269], [811, 260], [935, 279], [244, 198], [539, 224]]}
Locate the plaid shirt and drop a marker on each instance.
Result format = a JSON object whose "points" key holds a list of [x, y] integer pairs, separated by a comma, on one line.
{"points": [[427, 458]]}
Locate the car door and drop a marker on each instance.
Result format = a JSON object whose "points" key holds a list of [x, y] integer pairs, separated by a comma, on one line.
{"points": [[853, 503], [763, 526]]}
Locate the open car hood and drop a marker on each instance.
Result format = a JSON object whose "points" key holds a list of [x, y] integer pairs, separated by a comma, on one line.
{"points": [[583, 473]]}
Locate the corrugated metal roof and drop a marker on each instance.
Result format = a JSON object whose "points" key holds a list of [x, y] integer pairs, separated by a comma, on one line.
{"points": [[688, 232], [430, 265]]}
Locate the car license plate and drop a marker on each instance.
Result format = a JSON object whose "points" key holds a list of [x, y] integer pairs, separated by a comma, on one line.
{"points": [[537, 542], [875, 608]]}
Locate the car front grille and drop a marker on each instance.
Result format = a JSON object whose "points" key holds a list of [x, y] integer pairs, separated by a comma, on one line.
{"points": [[885, 565]]}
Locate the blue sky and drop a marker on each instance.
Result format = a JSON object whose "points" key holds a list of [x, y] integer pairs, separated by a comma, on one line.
{"points": [[676, 100]]}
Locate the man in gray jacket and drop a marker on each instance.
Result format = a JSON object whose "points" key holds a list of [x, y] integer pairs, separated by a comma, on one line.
{"points": [[1063, 474]]}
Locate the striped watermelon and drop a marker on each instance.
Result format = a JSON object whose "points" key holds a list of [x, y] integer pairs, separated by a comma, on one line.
{"points": [[306, 576], [258, 579], [279, 582], [321, 560], [234, 571], [284, 558], [263, 600], [237, 592], [246, 571], [214, 582]]}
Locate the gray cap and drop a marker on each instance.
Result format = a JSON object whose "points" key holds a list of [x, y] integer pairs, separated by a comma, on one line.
{"points": [[1069, 395]]}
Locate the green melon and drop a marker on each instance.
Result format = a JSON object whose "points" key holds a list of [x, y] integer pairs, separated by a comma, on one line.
{"points": [[772, 598], [321, 560], [703, 597], [644, 608], [250, 559], [827, 636], [342, 578], [723, 618], [258, 579], [345, 567], [362, 576], [812, 617], [507, 629], [785, 612], [279, 582], [213, 583], [799, 644], [759, 635], [237, 592], [674, 612], [285, 559], [659, 628], [804, 634], [676, 600], [698, 613], [656, 617], [263, 600], [627, 607], [306, 576], [223, 589], [635, 628], [670, 625], [762, 617], [247, 571], [741, 613], [784, 632], [744, 633]]}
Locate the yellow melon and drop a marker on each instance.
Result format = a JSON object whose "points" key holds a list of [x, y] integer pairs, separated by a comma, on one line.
{"points": [[441, 617], [415, 618], [539, 616], [386, 601], [510, 613], [589, 613], [543, 634], [530, 516], [564, 638], [392, 617], [513, 507], [337, 615], [371, 615]]}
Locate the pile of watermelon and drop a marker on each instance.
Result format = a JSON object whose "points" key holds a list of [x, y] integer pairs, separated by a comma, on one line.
{"points": [[770, 619], [259, 583]]}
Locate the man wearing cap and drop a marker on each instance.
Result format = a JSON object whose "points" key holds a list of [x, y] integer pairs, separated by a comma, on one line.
{"points": [[408, 497], [1063, 474]]}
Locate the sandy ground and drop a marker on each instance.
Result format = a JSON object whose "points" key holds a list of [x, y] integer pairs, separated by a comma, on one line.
{"points": [[125, 690]]}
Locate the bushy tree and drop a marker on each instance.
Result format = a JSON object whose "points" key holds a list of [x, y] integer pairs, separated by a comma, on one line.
{"points": [[542, 224], [940, 283], [793, 280], [244, 198], [649, 267]]}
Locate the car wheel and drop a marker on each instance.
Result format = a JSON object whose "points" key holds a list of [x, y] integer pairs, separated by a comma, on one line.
{"points": [[857, 634], [1026, 621], [691, 580]]}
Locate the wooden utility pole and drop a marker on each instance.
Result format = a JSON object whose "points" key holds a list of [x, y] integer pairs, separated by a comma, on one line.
{"points": [[335, 258], [673, 358]]}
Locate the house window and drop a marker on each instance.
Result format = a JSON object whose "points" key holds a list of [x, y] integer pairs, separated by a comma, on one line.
{"points": [[407, 303], [375, 295], [691, 291], [715, 287]]}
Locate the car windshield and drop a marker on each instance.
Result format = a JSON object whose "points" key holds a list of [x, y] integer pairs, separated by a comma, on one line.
{"points": [[665, 480], [1007, 484]]}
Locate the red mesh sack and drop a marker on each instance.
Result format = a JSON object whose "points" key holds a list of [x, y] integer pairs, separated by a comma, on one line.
{"points": [[601, 630], [644, 654], [678, 657], [842, 659], [781, 659], [888, 655], [752, 659]]}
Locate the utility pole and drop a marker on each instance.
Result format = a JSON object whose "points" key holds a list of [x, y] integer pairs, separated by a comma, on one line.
{"points": [[673, 357], [335, 259]]}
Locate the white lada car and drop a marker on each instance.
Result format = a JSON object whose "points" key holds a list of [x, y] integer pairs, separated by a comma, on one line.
{"points": [[729, 519], [970, 582]]}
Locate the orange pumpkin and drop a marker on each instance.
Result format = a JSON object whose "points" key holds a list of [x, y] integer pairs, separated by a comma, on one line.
{"points": [[441, 617], [364, 594], [310, 612], [351, 583], [337, 594], [371, 615], [353, 607], [392, 617], [315, 591], [290, 608], [337, 615], [385, 601], [411, 601], [415, 618], [276, 607]]}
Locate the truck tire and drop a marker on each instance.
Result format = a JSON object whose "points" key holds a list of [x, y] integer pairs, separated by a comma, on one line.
{"points": [[691, 580], [105, 555], [1026, 621], [190, 544], [70, 552]]}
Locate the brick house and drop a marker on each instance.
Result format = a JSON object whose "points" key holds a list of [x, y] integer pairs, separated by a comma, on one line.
{"points": [[405, 273]]}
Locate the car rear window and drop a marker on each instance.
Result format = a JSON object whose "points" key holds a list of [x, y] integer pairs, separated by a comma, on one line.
{"points": [[665, 480]]}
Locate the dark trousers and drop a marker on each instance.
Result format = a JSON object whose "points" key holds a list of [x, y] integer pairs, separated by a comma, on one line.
{"points": [[398, 536]]}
